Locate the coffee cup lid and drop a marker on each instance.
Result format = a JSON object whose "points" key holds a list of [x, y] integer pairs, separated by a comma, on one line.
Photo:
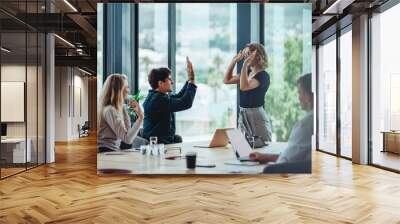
{"points": [[191, 153]]}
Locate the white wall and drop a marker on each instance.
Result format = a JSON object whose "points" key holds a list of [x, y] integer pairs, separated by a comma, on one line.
{"points": [[33, 126], [14, 73], [79, 117], [71, 94], [61, 103]]}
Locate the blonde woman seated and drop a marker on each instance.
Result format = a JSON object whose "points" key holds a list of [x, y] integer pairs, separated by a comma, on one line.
{"points": [[253, 88], [114, 123]]}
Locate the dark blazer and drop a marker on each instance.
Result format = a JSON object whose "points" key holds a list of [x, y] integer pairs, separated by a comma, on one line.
{"points": [[159, 108]]}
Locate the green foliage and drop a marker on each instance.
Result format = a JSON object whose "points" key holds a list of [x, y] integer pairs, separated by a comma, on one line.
{"points": [[226, 117], [221, 41], [214, 76], [138, 97], [282, 102]]}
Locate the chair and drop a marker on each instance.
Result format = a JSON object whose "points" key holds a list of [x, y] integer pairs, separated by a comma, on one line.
{"points": [[84, 130]]}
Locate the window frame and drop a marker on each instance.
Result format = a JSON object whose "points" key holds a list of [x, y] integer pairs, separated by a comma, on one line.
{"points": [[334, 37]]}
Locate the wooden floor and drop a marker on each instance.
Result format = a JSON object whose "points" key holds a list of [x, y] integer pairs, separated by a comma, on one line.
{"points": [[387, 159], [5, 172], [70, 191]]}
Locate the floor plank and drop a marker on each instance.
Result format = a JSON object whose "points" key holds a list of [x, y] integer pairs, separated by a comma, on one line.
{"points": [[70, 191]]}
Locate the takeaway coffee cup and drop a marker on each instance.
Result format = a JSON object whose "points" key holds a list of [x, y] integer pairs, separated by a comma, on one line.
{"points": [[191, 160]]}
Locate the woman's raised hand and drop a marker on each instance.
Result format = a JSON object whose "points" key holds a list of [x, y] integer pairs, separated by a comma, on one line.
{"points": [[244, 53], [250, 57], [239, 56]]}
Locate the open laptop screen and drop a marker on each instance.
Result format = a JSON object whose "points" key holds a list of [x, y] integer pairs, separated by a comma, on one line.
{"points": [[238, 142]]}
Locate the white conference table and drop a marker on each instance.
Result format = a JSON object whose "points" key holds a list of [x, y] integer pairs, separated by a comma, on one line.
{"points": [[134, 162]]}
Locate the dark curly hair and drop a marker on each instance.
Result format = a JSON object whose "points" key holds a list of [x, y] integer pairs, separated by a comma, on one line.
{"points": [[158, 74]]}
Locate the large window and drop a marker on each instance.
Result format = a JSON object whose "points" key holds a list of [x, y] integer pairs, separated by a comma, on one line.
{"points": [[329, 139], [288, 44], [385, 84], [327, 96], [346, 94], [153, 40], [207, 34]]}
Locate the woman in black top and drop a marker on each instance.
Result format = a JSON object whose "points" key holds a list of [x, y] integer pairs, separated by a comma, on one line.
{"points": [[253, 87]]}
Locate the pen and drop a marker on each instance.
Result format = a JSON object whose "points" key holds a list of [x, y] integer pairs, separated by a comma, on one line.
{"points": [[174, 157], [207, 166]]}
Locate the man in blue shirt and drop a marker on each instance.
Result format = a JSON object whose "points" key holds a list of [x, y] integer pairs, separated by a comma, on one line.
{"points": [[159, 106]]}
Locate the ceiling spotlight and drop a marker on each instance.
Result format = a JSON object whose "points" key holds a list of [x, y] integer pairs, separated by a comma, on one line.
{"points": [[337, 7], [70, 5], [5, 50], [64, 40], [84, 71]]}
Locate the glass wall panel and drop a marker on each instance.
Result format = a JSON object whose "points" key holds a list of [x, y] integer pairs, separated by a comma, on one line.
{"points": [[288, 44], [41, 79], [31, 98], [100, 52], [207, 34], [327, 96], [385, 85], [13, 86], [346, 94], [22, 90], [153, 40]]}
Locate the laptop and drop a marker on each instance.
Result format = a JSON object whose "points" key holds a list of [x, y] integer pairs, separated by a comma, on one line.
{"points": [[239, 144], [219, 139]]}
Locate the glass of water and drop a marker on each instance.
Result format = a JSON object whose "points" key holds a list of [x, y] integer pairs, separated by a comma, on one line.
{"points": [[153, 140], [160, 149], [143, 149], [153, 144]]}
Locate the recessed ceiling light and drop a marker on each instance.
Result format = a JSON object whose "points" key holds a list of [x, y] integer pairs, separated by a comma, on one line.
{"points": [[70, 5], [84, 71], [5, 50], [338, 6], [64, 40]]}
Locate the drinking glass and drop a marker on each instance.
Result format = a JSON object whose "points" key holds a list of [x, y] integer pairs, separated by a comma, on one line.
{"points": [[160, 149], [143, 149], [153, 144]]}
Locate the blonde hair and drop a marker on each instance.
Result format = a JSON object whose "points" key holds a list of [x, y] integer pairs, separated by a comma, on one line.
{"points": [[261, 56], [112, 93]]}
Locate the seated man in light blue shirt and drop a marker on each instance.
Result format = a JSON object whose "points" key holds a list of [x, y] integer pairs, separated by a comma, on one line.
{"points": [[296, 158]]}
